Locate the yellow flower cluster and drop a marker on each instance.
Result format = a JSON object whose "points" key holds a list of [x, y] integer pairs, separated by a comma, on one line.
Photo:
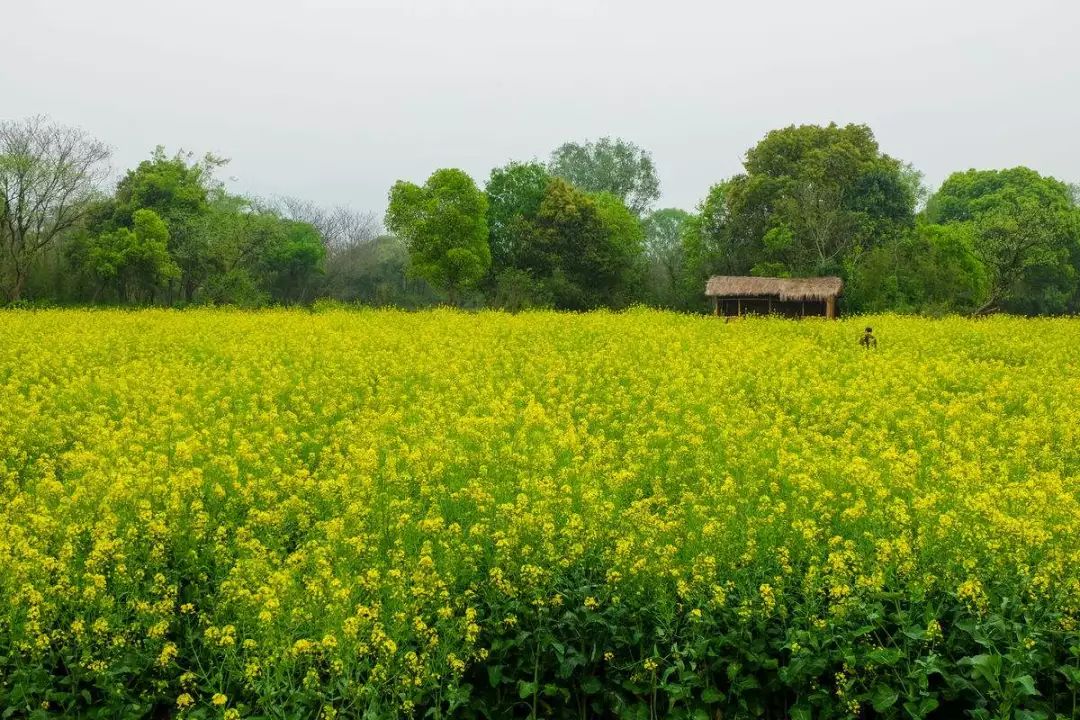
{"points": [[344, 495]]}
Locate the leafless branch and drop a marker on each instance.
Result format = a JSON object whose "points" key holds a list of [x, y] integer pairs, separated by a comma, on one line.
{"points": [[48, 174]]}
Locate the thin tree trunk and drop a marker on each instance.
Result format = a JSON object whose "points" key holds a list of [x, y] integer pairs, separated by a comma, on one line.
{"points": [[990, 306], [17, 288]]}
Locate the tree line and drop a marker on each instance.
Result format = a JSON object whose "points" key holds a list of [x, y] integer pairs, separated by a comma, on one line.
{"points": [[577, 232]]}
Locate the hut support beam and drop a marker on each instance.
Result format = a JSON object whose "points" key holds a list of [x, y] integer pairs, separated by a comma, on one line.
{"points": [[830, 307]]}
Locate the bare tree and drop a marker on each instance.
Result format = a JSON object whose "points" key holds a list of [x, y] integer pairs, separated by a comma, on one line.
{"points": [[355, 228], [341, 227], [350, 237], [48, 175]]}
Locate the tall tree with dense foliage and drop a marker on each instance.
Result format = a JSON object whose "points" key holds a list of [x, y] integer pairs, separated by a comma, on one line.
{"points": [[135, 262], [665, 253], [583, 250], [812, 199], [1026, 228], [610, 165], [932, 269], [514, 193], [180, 189], [620, 260], [254, 256], [294, 262], [49, 173], [444, 224], [176, 187]]}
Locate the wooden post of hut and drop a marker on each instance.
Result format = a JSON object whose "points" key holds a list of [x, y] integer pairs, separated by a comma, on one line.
{"points": [[791, 297]]}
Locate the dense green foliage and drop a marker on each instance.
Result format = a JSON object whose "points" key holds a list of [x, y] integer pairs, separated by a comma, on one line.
{"points": [[811, 201], [933, 269], [514, 194], [581, 248], [135, 262], [1026, 231], [575, 233], [171, 234], [825, 200], [444, 226], [665, 254], [557, 245], [610, 165]]}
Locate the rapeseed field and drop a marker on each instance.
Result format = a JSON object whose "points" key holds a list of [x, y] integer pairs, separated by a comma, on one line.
{"points": [[287, 514]]}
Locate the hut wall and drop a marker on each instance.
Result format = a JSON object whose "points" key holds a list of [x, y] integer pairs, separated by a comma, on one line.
{"points": [[731, 307]]}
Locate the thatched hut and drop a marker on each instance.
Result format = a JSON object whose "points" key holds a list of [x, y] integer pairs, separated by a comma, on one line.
{"points": [[792, 297]]}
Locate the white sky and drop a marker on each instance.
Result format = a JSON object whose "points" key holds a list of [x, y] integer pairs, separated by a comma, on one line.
{"points": [[333, 102]]}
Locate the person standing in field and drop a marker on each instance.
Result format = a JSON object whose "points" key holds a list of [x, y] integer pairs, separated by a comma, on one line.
{"points": [[868, 340]]}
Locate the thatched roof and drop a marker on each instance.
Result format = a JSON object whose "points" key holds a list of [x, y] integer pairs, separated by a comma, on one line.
{"points": [[816, 288]]}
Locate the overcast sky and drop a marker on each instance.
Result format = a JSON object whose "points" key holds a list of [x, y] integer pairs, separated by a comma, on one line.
{"points": [[334, 101]]}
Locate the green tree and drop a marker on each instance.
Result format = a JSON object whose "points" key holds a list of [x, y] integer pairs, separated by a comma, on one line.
{"points": [[1026, 229], [134, 262], [181, 190], [583, 250], [811, 200], [566, 223], [611, 165], [932, 269], [444, 224], [176, 187], [514, 193], [952, 276], [294, 261], [225, 246], [254, 256], [665, 253], [621, 257]]}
